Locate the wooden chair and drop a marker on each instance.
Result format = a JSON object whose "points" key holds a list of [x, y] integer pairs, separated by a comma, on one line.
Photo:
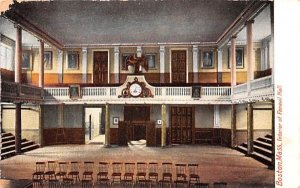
{"points": [[153, 172], [74, 172], [193, 174], [180, 174], [102, 176], [141, 174], [62, 170], [166, 174], [116, 172], [51, 167], [220, 185], [87, 175], [39, 175], [128, 174]]}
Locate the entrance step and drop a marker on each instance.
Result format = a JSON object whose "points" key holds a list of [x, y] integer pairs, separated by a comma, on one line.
{"points": [[8, 145], [262, 149]]}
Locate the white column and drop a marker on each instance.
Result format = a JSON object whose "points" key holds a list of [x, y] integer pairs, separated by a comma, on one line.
{"points": [[84, 65], [217, 116], [116, 64], [60, 66], [41, 71], [233, 62], [139, 51], [162, 63], [195, 63], [220, 65], [249, 25], [18, 55], [262, 58]]}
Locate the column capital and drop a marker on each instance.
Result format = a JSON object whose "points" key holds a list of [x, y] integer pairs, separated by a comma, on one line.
{"points": [[249, 22], [116, 49], [162, 49], [84, 50], [195, 48]]}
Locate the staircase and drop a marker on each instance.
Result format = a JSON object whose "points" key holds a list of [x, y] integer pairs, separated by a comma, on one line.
{"points": [[8, 145], [262, 149]]}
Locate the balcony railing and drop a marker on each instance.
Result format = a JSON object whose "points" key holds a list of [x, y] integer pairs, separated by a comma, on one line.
{"points": [[11, 91]]}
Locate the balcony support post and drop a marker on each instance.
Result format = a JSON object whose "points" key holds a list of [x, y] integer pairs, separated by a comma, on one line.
{"points": [[233, 125], [249, 129], [107, 126], [18, 128], [163, 125]]}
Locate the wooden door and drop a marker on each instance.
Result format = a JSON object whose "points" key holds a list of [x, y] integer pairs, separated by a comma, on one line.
{"points": [[100, 74], [178, 66], [181, 125]]}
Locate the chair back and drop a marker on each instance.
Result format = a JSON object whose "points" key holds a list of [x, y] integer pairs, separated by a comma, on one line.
{"points": [[153, 167], [129, 167], [40, 166], [193, 169], [141, 167], [117, 167], [88, 166], [167, 167], [103, 167], [75, 166], [52, 166], [63, 166], [180, 168]]}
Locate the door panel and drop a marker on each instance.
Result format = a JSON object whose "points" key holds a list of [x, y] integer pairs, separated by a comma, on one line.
{"points": [[100, 74], [178, 66], [181, 125]]}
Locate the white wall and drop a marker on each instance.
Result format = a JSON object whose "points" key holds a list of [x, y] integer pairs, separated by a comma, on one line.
{"points": [[204, 116]]}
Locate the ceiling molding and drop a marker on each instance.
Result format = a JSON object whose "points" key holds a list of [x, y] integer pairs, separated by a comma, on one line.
{"points": [[16, 18], [249, 13]]}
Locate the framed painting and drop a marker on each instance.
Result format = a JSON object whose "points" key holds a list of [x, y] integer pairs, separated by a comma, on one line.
{"points": [[115, 120], [239, 58], [73, 60], [26, 60], [48, 60], [124, 57], [74, 92], [196, 92], [151, 60], [207, 59]]}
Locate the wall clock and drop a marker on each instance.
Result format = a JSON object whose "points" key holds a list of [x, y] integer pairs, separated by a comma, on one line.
{"points": [[136, 89]]}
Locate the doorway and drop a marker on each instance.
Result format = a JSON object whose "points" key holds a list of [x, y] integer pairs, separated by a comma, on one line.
{"points": [[182, 125], [178, 58], [94, 122], [139, 117], [100, 73]]}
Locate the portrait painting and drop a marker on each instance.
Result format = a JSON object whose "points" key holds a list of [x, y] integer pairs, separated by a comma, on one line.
{"points": [[26, 60], [239, 58], [73, 60], [74, 92], [207, 59], [151, 61], [48, 60]]}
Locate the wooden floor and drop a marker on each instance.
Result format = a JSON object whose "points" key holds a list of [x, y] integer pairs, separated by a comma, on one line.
{"points": [[216, 164]]}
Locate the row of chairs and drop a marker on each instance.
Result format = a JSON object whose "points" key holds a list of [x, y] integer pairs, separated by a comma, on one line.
{"points": [[145, 173]]}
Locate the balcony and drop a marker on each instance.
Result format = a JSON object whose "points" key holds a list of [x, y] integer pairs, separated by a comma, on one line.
{"points": [[261, 89]]}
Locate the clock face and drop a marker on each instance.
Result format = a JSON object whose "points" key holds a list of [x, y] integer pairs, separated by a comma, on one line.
{"points": [[135, 90]]}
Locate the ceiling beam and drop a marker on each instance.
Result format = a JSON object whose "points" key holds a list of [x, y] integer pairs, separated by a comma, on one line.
{"points": [[250, 12]]}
